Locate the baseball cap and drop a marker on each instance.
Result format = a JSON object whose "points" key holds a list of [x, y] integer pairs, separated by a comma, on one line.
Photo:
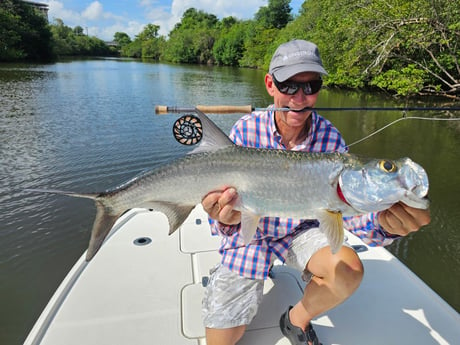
{"points": [[295, 57]]}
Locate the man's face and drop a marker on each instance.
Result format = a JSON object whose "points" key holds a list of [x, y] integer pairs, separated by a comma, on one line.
{"points": [[296, 101]]}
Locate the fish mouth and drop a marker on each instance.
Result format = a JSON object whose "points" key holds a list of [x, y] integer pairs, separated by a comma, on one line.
{"points": [[416, 183], [415, 200]]}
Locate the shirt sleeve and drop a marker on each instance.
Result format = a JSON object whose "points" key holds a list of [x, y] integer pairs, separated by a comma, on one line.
{"points": [[236, 133], [219, 229], [368, 229]]}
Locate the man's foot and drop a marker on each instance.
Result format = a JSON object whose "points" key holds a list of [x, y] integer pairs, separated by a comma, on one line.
{"points": [[296, 335]]}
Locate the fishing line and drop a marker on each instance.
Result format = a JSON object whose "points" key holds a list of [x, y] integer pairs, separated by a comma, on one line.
{"points": [[402, 119], [184, 128], [403, 109]]}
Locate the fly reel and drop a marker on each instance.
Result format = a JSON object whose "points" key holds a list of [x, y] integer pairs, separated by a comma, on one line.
{"points": [[188, 130]]}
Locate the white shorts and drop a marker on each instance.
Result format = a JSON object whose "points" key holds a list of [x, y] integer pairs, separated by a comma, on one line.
{"points": [[231, 300]]}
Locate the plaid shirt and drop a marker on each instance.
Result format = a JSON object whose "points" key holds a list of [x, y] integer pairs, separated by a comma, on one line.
{"points": [[274, 235]]}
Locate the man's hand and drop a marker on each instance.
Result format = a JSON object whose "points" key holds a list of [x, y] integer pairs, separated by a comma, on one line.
{"points": [[219, 205], [401, 219]]}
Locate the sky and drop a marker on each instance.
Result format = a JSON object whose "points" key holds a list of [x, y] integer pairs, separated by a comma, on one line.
{"points": [[102, 18]]}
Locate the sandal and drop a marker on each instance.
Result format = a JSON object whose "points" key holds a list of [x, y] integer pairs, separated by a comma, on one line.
{"points": [[296, 335]]}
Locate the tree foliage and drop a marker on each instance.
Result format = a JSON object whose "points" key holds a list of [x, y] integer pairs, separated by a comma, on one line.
{"points": [[229, 47], [267, 25], [73, 42], [277, 14], [147, 44], [402, 46], [122, 39], [192, 39], [405, 47], [23, 33]]}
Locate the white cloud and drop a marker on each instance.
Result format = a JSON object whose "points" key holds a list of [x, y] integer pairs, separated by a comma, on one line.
{"points": [[104, 24], [94, 11], [57, 10], [223, 8], [146, 3], [161, 16], [132, 28], [94, 19], [167, 17], [220, 8]]}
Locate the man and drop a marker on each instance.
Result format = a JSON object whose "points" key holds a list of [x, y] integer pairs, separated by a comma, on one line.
{"points": [[235, 288]]}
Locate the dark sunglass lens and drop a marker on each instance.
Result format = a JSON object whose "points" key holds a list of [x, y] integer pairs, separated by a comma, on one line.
{"points": [[291, 88], [306, 88], [286, 87], [312, 87]]}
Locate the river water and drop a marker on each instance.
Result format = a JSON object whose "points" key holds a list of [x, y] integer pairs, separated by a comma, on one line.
{"points": [[88, 125]]}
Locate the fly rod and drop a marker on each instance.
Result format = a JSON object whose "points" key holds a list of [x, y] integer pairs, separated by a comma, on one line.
{"points": [[232, 109], [210, 109]]}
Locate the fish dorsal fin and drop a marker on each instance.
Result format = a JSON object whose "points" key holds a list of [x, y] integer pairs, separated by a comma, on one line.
{"points": [[213, 137]]}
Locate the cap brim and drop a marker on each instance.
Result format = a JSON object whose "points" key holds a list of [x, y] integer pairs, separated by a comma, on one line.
{"points": [[286, 72]]}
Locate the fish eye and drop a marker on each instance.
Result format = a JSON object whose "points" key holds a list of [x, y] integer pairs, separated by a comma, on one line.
{"points": [[387, 166]]}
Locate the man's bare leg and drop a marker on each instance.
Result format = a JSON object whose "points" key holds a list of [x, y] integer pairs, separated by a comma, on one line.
{"points": [[335, 278], [224, 336]]}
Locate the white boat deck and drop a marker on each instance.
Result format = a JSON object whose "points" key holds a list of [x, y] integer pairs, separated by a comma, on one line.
{"points": [[151, 294]]}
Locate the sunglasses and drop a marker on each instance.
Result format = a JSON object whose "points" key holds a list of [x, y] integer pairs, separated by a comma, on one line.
{"points": [[291, 87]]}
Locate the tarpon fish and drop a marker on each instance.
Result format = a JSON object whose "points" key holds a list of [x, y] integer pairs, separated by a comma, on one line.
{"points": [[269, 182]]}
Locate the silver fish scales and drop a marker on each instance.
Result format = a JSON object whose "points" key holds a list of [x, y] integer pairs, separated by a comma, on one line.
{"points": [[303, 185]]}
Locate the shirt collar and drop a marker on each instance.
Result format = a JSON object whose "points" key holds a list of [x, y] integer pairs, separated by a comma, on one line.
{"points": [[271, 121]]}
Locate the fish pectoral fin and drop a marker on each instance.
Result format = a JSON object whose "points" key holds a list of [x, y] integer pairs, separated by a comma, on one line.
{"points": [[176, 213], [249, 223], [331, 223]]}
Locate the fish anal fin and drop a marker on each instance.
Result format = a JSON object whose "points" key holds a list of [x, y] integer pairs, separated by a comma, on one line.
{"points": [[176, 213], [249, 223], [331, 223]]}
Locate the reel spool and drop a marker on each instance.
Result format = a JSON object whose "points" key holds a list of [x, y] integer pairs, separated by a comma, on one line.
{"points": [[188, 130]]}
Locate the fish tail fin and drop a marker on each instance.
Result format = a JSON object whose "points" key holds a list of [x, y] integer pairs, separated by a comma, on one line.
{"points": [[61, 192], [101, 227], [331, 223], [106, 216], [105, 219]]}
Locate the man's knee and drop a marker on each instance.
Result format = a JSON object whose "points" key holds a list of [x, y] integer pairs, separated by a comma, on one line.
{"points": [[224, 336], [348, 271], [341, 272]]}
